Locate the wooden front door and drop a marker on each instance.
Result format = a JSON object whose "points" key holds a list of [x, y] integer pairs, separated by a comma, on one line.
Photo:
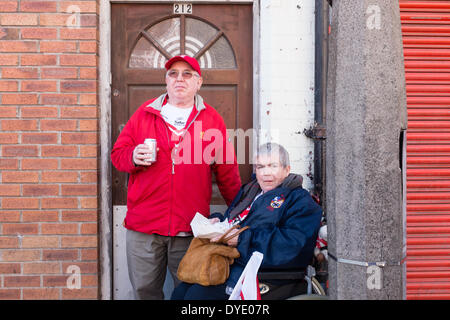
{"points": [[145, 36]]}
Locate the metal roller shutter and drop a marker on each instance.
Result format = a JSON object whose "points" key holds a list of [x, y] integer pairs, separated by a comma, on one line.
{"points": [[426, 40]]}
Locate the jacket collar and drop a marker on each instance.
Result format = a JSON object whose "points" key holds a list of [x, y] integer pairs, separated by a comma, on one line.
{"points": [[159, 102]]}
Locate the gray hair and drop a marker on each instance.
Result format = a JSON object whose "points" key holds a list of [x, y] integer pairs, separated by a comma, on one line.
{"points": [[271, 148]]}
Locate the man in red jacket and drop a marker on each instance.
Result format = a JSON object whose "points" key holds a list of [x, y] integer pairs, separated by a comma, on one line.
{"points": [[164, 195]]}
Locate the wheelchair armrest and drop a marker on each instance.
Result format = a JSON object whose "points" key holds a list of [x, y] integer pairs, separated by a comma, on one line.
{"points": [[281, 274]]}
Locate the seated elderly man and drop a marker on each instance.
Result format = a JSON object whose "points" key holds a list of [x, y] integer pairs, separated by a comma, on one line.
{"points": [[283, 220]]}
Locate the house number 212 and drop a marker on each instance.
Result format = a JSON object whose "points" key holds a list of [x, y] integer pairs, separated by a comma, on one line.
{"points": [[182, 8]]}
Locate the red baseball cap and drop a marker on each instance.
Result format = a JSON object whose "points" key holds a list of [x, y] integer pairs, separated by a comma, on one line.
{"points": [[189, 60]]}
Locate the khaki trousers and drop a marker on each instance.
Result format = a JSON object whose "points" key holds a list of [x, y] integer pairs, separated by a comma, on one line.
{"points": [[148, 257]]}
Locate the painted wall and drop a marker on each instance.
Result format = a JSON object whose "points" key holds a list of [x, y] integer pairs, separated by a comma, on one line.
{"points": [[287, 79]]}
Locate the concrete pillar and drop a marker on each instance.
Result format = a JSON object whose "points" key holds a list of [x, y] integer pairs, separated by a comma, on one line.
{"points": [[366, 116]]}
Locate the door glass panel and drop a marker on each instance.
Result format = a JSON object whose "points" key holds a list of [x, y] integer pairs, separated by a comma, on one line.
{"points": [[199, 30], [166, 35], [144, 55], [221, 55]]}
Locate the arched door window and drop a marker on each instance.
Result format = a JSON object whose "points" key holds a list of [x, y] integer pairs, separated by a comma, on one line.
{"points": [[182, 35]]}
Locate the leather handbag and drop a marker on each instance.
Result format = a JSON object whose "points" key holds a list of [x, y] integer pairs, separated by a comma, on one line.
{"points": [[208, 263]]}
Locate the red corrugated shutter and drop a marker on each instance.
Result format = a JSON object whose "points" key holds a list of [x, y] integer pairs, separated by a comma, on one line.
{"points": [[426, 40]]}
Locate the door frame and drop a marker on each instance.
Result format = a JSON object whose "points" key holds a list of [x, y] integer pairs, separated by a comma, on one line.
{"points": [[105, 251]]}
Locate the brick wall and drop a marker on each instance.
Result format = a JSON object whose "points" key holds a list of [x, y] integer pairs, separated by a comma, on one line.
{"points": [[49, 148]]}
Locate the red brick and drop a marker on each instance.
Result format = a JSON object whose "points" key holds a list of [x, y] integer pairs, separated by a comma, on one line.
{"points": [[8, 112], [89, 254], [38, 216], [88, 151], [89, 203], [59, 254], [58, 99], [88, 177], [19, 19], [88, 99], [6, 268], [9, 242], [79, 138], [55, 281], [8, 85], [22, 281], [85, 267], [88, 47], [20, 228], [20, 176], [39, 112], [9, 60], [59, 203], [79, 241], [41, 294], [8, 190], [9, 164], [79, 190], [9, 33], [18, 46], [78, 60], [58, 46], [83, 6], [19, 125], [59, 19], [59, 176], [19, 73], [38, 60], [88, 215], [89, 228], [38, 85], [88, 280], [79, 112], [78, 34], [59, 151], [9, 216], [40, 242], [40, 190], [9, 294], [20, 203], [8, 138], [19, 98], [88, 125], [83, 293], [37, 6], [58, 125], [88, 73], [88, 20], [59, 228], [40, 138], [20, 255], [78, 86], [8, 6], [39, 33], [19, 151], [80, 164], [59, 73]]}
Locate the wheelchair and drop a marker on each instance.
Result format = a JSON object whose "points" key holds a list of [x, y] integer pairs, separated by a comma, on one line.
{"points": [[312, 283], [315, 276]]}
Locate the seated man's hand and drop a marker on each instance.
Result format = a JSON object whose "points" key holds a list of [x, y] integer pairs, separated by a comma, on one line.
{"points": [[214, 220], [232, 242]]}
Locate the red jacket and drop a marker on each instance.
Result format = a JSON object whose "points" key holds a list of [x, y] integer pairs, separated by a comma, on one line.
{"points": [[164, 197]]}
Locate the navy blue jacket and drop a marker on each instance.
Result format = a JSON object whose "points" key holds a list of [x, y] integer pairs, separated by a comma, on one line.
{"points": [[283, 224]]}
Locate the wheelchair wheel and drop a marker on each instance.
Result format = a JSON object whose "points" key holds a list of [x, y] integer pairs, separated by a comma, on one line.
{"points": [[318, 293], [317, 287]]}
